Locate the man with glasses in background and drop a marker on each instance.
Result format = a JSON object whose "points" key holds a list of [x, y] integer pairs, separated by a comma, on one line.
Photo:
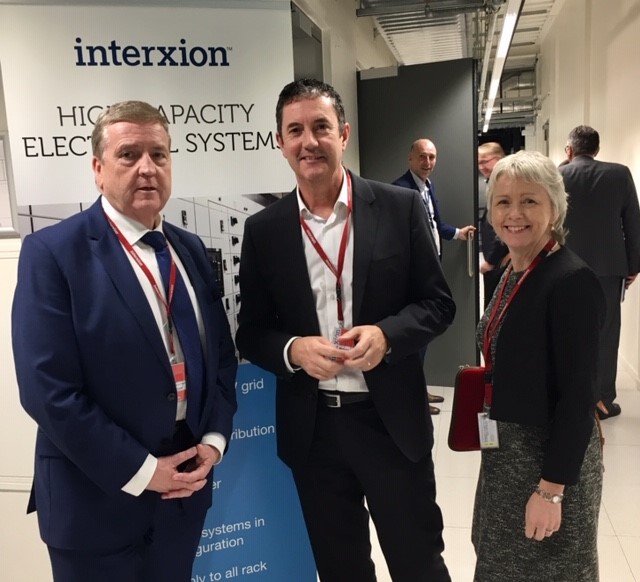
{"points": [[493, 252]]}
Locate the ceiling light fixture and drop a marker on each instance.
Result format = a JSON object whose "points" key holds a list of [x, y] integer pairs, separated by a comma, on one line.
{"points": [[509, 22]]}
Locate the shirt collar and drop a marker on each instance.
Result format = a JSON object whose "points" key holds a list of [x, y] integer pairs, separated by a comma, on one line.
{"points": [[131, 229], [419, 181], [341, 202]]}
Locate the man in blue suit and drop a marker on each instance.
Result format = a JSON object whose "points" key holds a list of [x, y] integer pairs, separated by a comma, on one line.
{"points": [[422, 161], [132, 410], [423, 156]]}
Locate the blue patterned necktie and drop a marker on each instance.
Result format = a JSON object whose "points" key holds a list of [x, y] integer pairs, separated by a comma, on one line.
{"points": [[184, 320]]}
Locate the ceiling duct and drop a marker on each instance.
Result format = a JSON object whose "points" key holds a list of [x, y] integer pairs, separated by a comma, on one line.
{"points": [[435, 8]]}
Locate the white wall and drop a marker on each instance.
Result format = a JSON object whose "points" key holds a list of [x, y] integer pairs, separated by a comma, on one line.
{"points": [[349, 44], [24, 557], [589, 72]]}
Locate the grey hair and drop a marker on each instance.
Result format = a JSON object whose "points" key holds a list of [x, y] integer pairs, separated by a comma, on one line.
{"points": [[534, 168]]}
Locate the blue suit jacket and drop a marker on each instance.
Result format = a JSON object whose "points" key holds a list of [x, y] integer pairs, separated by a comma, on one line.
{"points": [[93, 373], [445, 230]]}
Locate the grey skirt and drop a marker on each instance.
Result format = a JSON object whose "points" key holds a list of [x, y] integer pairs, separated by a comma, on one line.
{"points": [[508, 477]]}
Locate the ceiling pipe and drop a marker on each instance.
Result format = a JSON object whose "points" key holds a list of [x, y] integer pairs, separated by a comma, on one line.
{"points": [[485, 60]]}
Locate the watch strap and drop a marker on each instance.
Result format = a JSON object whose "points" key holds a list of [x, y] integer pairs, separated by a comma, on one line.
{"points": [[550, 497]]}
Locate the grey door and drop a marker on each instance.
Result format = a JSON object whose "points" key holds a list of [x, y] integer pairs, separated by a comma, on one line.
{"points": [[436, 101]]}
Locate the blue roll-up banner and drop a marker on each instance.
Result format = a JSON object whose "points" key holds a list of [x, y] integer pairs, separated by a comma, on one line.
{"points": [[255, 529]]}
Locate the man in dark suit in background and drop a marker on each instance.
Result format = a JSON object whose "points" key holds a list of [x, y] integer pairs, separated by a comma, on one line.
{"points": [[493, 251], [341, 287], [603, 223], [132, 387], [423, 156]]}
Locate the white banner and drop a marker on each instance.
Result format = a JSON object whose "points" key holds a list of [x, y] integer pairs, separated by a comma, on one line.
{"points": [[215, 72]]}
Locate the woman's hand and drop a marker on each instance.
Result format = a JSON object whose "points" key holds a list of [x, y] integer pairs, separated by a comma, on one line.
{"points": [[542, 517]]}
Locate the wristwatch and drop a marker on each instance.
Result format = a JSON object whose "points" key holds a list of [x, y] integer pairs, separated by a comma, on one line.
{"points": [[550, 497]]}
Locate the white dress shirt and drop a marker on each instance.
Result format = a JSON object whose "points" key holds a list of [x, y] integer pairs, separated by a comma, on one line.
{"points": [[328, 233]]}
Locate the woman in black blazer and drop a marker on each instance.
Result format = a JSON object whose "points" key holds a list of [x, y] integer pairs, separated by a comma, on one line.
{"points": [[538, 494]]}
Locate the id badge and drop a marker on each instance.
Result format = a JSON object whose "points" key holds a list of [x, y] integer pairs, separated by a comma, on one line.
{"points": [[339, 342], [180, 378], [488, 431]]}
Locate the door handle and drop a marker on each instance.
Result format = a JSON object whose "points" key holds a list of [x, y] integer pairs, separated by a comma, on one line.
{"points": [[470, 261]]}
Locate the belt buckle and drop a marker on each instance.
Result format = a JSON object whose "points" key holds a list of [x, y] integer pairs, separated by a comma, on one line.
{"points": [[336, 402]]}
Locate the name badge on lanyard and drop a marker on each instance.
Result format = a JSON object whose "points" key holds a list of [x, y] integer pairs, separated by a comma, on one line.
{"points": [[340, 330], [488, 431]]}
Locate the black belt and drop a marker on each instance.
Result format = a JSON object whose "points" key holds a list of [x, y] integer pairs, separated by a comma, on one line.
{"points": [[340, 399]]}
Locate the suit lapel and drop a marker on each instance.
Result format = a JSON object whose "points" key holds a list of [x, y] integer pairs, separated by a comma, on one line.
{"points": [[365, 222], [108, 250], [291, 235], [411, 181]]}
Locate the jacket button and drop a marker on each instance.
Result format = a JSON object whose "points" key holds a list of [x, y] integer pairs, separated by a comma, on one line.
{"points": [[171, 396]]}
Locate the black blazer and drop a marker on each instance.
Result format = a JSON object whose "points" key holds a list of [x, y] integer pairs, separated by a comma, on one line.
{"points": [[545, 359], [397, 284], [603, 218]]}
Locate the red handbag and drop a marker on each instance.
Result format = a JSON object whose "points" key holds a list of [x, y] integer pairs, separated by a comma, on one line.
{"points": [[468, 401]]}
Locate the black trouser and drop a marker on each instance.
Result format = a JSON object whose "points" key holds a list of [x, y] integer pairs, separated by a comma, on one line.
{"points": [[609, 340], [354, 459]]}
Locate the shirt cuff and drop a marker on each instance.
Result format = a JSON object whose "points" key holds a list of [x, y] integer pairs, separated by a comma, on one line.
{"points": [[217, 441], [455, 236], [138, 483], [285, 355]]}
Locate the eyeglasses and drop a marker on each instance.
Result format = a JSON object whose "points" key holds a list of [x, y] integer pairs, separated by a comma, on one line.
{"points": [[485, 162]]}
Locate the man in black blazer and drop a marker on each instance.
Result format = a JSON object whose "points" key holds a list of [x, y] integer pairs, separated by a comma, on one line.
{"points": [[423, 157], [341, 287], [603, 223], [493, 251], [130, 419]]}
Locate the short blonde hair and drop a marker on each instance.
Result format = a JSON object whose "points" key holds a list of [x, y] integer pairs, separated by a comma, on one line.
{"points": [[534, 168], [131, 111], [491, 148]]}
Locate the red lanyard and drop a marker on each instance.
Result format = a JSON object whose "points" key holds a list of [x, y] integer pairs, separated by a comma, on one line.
{"points": [[151, 278], [495, 318], [341, 253]]}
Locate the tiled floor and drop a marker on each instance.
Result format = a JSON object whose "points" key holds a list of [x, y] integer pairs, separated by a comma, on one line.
{"points": [[619, 528]]}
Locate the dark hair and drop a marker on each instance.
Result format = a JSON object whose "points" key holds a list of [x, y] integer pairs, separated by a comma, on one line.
{"points": [[131, 111], [309, 89], [584, 140]]}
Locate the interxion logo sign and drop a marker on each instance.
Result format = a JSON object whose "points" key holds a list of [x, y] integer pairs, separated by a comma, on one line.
{"points": [[115, 55]]}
